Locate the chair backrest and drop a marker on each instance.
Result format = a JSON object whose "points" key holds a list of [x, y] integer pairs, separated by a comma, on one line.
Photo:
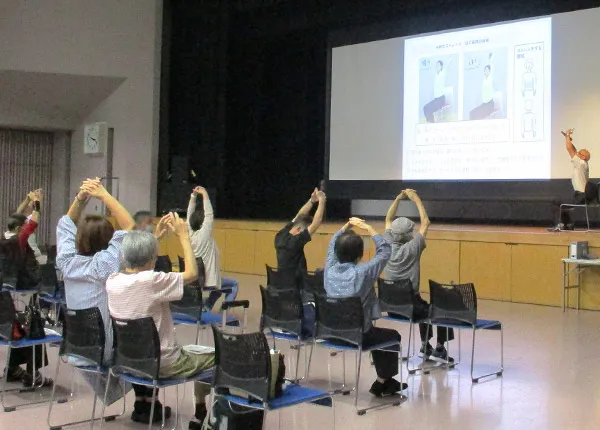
{"points": [[314, 283], [281, 309], [201, 282], [242, 362], [83, 335], [453, 302], [190, 303], [396, 297], [339, 319], [163, 264], [51, 253], [18, 266], [7, 315], [137, 349], [281, 278], [48, 279]]}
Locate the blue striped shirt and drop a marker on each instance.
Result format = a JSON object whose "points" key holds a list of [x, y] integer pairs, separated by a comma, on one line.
{"points": [[85, 277]]}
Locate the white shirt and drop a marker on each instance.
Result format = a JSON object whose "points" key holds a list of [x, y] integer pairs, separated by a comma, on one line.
{"points": [[487, 89], [439, 84], [204, 245], [581, 173]]}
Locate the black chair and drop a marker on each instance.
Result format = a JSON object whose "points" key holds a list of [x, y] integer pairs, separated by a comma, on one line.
{"points": [[396, 297], [281, 278], [339, 326], [7, 319], [243, 363], [282, 314], [163, 264], [455, 306], [137, 361], [314, 283], [51, 290], [83, 339], [188, 310], [51, 254]]}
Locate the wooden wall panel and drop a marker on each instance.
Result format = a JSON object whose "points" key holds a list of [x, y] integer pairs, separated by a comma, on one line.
{"points": [[440, 262], [487, 265]]}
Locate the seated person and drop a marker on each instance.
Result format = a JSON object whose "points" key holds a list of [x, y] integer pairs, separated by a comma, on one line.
{"points": [[405, 263], [289, 246], [345, 276], [25, 209], [584, 190], [200, 223], [140, 292], [89, 250], [15, 253]]}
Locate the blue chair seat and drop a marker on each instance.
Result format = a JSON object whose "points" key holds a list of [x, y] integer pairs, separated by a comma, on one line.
{"points": [[24, 343], [205, 377], [286, 336], [292, 394], [12, 289], [57, 300], [207, 318], [388, 346], [479, 324]]}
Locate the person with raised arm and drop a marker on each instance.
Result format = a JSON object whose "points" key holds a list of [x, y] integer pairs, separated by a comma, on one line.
{"points": [[405, 263], [88, 252], [289, 247], [345, 276], [139, 292], [584, 191], [200, 223], [16, 255]]}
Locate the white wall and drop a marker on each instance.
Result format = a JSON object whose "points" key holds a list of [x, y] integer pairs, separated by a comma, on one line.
{"points": [[114, 38]]}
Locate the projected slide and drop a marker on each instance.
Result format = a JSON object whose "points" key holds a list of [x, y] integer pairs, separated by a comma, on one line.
{"points": [[477, 103]]}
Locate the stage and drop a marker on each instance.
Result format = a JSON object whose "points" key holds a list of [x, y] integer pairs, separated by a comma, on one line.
{"points": [[512, 264]]}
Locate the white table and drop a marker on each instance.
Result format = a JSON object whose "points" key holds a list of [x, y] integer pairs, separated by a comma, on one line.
{"points": [[578, 265]]}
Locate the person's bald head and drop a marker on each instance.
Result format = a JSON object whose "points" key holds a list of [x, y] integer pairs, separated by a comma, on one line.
{"points": [[584, 154]]}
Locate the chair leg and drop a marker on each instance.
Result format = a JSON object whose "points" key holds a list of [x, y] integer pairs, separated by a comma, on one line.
{"points": [[298, 360], [356, 384], [152, 407], [475, 379], [94, 402], [106, 395], [53, 393], [198, 324]]}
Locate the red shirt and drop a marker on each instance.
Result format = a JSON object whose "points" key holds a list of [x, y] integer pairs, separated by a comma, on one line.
{"points": [[28, 228]]}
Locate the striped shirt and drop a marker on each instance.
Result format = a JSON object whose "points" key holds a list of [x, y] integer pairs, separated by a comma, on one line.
{"points": [[85, 277], [147, 294]]}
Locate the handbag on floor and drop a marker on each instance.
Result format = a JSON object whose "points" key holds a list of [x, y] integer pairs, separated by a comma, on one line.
{"points": [[227, 416]]}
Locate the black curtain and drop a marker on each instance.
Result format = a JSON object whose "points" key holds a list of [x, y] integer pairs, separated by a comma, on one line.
{"points": [[275, 122]]}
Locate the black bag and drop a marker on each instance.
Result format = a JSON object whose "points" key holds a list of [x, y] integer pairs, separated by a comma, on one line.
{"points": [[36, 323], [227, 416]]}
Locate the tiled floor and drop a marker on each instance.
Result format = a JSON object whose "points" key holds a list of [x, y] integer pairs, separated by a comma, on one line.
{"points": [[551, 381]]}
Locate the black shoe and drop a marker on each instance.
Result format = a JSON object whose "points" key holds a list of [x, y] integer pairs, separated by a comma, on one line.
{"points": [[427, 351], [441, 355], [387, 388], [195, 425], [40, 381], [16, 374], [391, 387], [141, 412]]}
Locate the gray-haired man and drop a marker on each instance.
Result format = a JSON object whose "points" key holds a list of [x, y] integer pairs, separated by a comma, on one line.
{"points": [[405, 263]]}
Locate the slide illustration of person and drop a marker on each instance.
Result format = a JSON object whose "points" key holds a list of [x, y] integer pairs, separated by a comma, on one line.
{"points": [[486, 108], [529, 79], [528, 121], [439, 99]]}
